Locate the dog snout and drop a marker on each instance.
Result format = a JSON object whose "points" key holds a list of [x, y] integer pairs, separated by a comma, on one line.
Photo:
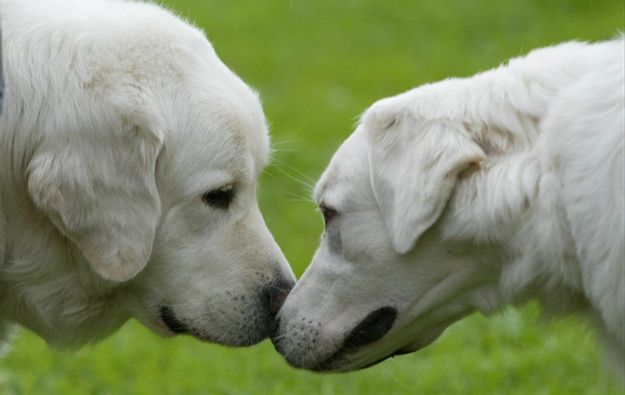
{"points": [[275, 295], [373, 327]]}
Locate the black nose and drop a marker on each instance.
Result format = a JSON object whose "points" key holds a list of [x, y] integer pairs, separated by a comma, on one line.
{"points": [[372, 328], [276, 294]]}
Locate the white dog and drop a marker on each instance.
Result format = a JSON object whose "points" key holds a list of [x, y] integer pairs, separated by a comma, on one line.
{"points": [[466, 195], [129, 155]]}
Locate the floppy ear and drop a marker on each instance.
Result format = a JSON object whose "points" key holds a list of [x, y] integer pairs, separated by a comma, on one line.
{"points": [[95, 180], [414, 167]]}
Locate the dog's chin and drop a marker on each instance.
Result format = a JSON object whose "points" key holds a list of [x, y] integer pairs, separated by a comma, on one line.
{"points": [[348, 361], [225, 339], [168, 325], [229, 339]]}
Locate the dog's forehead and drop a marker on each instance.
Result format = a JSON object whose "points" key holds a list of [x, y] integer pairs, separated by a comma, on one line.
{"points": [[212, 115], [347, 170], [216, 137], [258, 136], [224, 126], [247, 126]]}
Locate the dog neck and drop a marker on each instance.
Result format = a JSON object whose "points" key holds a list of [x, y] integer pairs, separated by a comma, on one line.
{"points": [[512, 203], [514, 207]]}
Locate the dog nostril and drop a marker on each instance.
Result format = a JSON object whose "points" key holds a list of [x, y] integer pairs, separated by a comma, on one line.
{"points": [[372, 328], [276, 295]]}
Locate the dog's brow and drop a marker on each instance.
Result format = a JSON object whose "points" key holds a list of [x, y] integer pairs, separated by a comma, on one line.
{"points": [[319, 192]]}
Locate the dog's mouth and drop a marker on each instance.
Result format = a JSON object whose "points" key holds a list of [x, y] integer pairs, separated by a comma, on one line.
{"points": [[347, 361], [178, 327], [369, 330], [356, 358], [173, 324]]}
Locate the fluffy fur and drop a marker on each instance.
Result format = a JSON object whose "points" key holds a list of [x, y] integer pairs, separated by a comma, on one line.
{"points": [[118, 118], [469, 194]]}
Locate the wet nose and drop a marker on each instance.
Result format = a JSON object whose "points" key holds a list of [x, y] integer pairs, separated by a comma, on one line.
{"points": [[371, 328], [276, 294]]}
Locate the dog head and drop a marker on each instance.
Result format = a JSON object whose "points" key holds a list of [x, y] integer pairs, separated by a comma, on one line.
{"points": [[147, 165], [384, 281]]}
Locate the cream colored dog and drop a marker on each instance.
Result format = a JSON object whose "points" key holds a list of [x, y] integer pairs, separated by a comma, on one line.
{"points": [[129, 155], [466, 195]]}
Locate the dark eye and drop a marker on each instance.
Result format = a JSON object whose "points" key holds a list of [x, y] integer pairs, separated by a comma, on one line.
{"points": [[328, 214], [219, 198]]}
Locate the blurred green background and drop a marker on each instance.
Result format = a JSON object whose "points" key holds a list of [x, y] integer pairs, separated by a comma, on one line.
{"points": [[318, 65]]}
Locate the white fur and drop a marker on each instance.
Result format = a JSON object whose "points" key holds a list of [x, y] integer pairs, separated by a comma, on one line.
{"points": [[469, 194], [118, 117]]}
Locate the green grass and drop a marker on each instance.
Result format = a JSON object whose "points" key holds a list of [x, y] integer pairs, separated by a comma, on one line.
{"points": [[317, 65]]}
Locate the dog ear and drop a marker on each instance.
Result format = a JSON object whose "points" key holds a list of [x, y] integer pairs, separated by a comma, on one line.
{"points": [[95, 179], [414, 167]]}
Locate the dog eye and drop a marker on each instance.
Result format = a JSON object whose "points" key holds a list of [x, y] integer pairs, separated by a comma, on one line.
{"points": [[219, 198], [328, 214]]}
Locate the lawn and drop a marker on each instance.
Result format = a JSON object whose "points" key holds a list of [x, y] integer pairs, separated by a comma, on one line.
{"points": [[317, 66]]}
